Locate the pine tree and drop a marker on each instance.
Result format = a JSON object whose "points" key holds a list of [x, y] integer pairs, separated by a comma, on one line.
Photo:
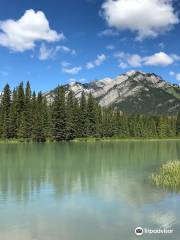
{"points": [[178, 124], [25, 127], [46, 119], [38, 127], [27, 113], [13, 115], [91, 116], [76, 116], [5, 112], [82, 126], [59, 115], [20, 108], [70, 117], [162, 127]]}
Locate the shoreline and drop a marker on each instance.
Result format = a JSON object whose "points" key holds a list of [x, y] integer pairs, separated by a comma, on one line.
{"points": [[92, 140]]}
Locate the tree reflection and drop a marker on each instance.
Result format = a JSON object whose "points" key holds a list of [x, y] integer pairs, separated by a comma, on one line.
{"points": [[114, 170]]}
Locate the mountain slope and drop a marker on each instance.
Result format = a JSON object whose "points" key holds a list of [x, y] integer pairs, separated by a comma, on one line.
{"points": [[133, 92]]}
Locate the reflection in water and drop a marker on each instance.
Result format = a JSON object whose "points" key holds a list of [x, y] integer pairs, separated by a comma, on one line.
{"points": [[92, 189]]}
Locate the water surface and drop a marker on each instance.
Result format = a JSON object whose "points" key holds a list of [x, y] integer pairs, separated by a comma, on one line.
{"points": [[85, 191]]}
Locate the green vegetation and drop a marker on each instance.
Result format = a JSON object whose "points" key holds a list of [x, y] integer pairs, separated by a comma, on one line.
{"points": [[27, 116], [168, 176]]}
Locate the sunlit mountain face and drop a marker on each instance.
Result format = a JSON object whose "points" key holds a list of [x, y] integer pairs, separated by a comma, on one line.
{"points": [[132, 92]]}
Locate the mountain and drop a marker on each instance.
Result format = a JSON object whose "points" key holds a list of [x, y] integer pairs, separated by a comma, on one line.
{"points": [[133, 92]]}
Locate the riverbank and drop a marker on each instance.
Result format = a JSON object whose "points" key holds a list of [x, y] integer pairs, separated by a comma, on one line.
{"points": [[109, 139], [92, 139]]}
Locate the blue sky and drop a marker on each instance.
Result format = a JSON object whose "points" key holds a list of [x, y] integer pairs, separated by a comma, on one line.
{"points": [[55, 42]]}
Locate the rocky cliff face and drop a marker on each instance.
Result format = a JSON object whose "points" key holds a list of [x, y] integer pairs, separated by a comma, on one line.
{"points": [[133, 92]]}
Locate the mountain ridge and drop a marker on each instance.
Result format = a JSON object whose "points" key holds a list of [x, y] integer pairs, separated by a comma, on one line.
{"points": [[131, 92]]}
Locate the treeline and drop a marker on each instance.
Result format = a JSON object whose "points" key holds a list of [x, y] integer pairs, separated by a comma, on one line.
{"points": [[28, 116]]}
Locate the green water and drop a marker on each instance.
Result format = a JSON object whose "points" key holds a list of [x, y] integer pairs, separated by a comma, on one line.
{"points": [[85, 191]]}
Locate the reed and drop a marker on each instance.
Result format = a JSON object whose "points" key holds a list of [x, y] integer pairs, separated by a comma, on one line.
{"points": [[168, 176]]}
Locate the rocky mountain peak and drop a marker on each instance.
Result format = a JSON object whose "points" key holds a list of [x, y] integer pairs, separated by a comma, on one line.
{"points": [[134, 91]]}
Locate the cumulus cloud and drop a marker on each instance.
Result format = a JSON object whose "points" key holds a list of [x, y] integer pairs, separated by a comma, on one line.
{"points": [[71, 70], [97, 62], [23, 34], [134, 60], [46, 52], [158, 59], [126, 60], [148, 18]]}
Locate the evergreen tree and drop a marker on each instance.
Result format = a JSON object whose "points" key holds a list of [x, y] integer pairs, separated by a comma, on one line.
{"points": [[25, 127], [5, 112], [13, 115], [20, 108], [162, 127], [70, 121], [83, 117], [178, 124], [27, 113], [38, 127], [46, 118], [59, 115], [91, 116]]}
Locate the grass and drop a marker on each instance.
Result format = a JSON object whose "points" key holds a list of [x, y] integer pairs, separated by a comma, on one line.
{"points": [[168, 176]]}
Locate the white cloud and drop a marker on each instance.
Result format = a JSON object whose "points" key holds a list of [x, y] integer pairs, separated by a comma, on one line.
{"points": [[66, 50], [72, 70], [49, 53], [123, 65], [97, 62], [44, 52], [175, 57], [126, 60], [110, 47], [65, 64], [158, 59], [108, 33], [90, 65], [171, 73], [23, 34], [148, 18], [134, 60], [100, 59], [176, 75]]}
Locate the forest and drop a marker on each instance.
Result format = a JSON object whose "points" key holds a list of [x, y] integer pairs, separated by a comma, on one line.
{"points": [[27, 116]]}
